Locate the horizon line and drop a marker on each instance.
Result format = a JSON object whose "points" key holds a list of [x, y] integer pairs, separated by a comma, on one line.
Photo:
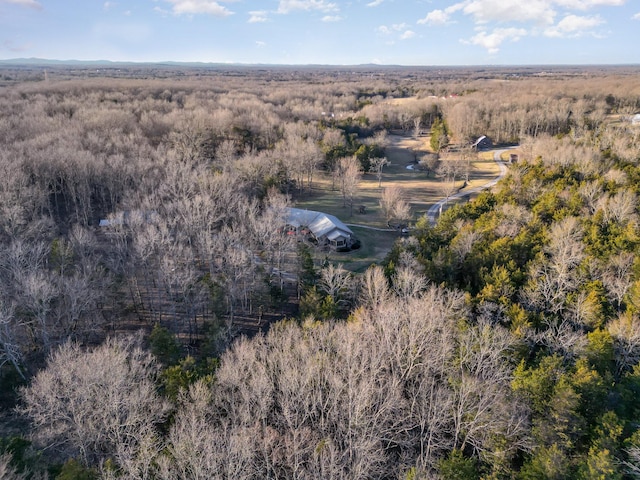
{"points": [[41, 61]]}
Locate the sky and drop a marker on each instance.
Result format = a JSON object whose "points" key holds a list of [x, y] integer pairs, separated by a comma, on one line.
{"points": [[331, 32]]}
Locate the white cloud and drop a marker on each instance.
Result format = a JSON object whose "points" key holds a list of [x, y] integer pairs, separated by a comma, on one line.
{"points": [[398, 30], [191, 7], [436, 17], [535, 11], [636, 16], [108, 6], [396, 27], [375, 3], [573, 26], [552, 18], [331, 18], [492, 41], [407, 35], [399, 26], [25, 3], [257, 16], [442, 17], [587, 4], [260, 44], [538, 12], [288, 6], [161, 11]]}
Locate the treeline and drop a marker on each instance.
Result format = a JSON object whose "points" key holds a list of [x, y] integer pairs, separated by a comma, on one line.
{"points": [[500, 343], [508, 110]]}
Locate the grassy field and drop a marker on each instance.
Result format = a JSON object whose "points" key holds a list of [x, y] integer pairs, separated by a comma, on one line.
{"points": [[420, 189], [375, 246]]}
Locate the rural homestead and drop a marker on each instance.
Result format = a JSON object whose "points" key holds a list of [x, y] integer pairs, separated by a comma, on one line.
{"points": [[319, 240]]}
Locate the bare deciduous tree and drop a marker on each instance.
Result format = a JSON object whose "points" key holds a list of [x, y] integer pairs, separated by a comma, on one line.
{"points": [[7, 471], [428, 162], [632, 466], [377, 164], [417, 123], [200, 448], [551, 280], [450, 170], [374, 290], [91, 404], [336, 282], [349, 175], [10, 348], [617, 276], [393, 204], [625, 331], [483, 401], [407, 283]]}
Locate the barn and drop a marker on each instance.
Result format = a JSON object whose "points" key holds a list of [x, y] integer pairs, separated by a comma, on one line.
{"points": [[482, 143]]}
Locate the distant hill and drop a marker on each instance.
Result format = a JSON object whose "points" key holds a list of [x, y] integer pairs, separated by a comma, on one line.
{"points": [[109, 63], [44, 61]]}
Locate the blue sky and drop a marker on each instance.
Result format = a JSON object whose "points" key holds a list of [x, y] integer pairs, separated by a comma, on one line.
{"points": [[403, 32]]}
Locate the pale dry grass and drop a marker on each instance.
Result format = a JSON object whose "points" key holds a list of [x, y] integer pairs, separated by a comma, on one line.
{"points": [[420, 190]]}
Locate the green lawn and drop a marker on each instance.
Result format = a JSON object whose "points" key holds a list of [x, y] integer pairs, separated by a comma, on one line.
{"points": [[375, 247], [420, 189]]}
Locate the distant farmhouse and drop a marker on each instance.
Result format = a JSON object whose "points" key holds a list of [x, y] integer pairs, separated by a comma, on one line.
{"points": [[321, 228], [482, 143]]}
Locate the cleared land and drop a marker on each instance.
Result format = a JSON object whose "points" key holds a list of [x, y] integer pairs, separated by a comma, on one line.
{"points": [[421, 191]]}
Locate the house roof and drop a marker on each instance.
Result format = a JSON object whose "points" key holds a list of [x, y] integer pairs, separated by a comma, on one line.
{"points": [[480, 140], [320, 224]]}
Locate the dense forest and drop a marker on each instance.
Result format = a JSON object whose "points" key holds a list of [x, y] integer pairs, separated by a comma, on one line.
{"points": [[156, 322]]}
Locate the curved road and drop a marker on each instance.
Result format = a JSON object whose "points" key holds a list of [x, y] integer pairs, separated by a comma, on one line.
{"points": [[436, 209]]}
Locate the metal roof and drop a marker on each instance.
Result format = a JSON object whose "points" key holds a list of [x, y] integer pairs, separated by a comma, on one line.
{"points": [[320, 224], [479, 140]]}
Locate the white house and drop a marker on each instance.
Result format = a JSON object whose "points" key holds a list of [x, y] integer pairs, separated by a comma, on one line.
{"points": [[322, 227]]}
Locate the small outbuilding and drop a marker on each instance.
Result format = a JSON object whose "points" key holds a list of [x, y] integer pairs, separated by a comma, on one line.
{"points": [[482, 143]]}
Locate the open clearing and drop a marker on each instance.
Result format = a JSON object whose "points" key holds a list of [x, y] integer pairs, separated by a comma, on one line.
{"points": [[421, 191]]}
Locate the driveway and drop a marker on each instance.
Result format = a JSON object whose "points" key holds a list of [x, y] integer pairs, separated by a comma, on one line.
{"points": [[436, 209]]}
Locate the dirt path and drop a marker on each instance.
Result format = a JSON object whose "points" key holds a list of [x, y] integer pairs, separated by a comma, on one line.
{"points": [[425, 194], [436, 209]]}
